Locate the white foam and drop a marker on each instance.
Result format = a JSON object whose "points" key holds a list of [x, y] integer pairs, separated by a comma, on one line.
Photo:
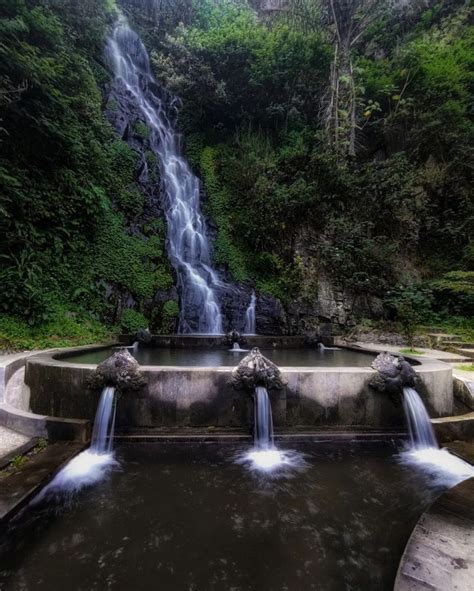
{"points": [[85, 469], [442, 466], [272, 460]]}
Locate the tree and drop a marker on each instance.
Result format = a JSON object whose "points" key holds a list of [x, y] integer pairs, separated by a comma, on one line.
{"points": [[347, 21]]}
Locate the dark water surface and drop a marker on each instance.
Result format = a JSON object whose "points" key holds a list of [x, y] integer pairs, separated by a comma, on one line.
{"points": [[223, 357], [187, 517]]}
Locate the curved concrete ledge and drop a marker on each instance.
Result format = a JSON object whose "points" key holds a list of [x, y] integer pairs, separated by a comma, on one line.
{"points": [[177, 341], [464, 390], [458, 427], [203, 396], [439, 554], [15, 403]]}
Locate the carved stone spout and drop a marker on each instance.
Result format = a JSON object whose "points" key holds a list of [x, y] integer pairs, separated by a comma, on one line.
{"points": [[120, 370], [234, 336], [393, 374], [256, 370]]}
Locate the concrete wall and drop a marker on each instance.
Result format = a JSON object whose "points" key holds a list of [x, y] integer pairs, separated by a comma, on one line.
{"points": [[203, 397]]}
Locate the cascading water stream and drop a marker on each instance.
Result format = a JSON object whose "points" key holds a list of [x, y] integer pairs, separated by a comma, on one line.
{"points": [[104, 423], [419, 425], [250, 323], [188, 245], [263, 427]]}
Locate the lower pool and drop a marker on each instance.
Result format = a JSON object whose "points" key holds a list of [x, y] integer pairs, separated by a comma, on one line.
{"points": [[193, 517]]}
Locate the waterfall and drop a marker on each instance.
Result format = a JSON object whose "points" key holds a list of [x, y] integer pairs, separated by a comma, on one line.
{"points": [[263, 427], [250, 316], [419, 425], [188, 245]]}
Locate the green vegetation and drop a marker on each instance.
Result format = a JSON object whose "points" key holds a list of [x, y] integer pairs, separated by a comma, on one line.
{"points": [[62, 329], [350, 163], [132, 321], [75, 243], [411, 352], [465, 367], [18, 461]]}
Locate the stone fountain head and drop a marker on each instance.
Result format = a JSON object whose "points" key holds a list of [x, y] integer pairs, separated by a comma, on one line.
{"points": [[393, 374], [256, 370], [144, 336], [234, 336], [120, 370]]}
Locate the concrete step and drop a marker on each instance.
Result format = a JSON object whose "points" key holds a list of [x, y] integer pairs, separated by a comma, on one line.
{"points": [[461, 344], [362, 433], [443, 337], [466, 352]]}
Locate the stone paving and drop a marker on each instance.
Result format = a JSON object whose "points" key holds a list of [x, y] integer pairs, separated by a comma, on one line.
{"points": [[427, 353], [10, 440]]}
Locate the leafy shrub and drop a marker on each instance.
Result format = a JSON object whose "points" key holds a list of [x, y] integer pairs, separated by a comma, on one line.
{"points": [[132, 321], [454, 292], [63, 329], [409, 305]]}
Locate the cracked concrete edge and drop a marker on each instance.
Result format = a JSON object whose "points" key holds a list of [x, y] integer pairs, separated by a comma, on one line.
{"points": [[438, 555]]}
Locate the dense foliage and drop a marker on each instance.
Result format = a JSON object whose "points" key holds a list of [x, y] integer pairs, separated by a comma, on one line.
{"points": [[72, 241], [370, 187], [254, 92]]}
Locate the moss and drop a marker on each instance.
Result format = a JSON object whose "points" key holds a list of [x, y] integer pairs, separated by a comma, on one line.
{"points": [[170, 313], [140, 129], [132, 262], [152, 163], [112, 104], [226, 252]]}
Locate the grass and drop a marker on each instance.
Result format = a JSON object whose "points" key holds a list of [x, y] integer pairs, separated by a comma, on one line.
{"points": [[18, 461], [64, 329], [412, 352], [465, 367], [462, 326]]}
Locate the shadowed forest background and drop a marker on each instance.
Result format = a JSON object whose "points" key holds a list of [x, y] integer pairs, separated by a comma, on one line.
{"points": [[333, 140]]}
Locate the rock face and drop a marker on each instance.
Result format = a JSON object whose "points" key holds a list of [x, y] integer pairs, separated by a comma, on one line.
{"points": [[324, 307], [256, 370], [270, 317], [394, 374], [120, 370]]}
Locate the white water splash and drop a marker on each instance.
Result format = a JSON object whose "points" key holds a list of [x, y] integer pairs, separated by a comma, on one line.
{"points": [[442, 467], [424, 453], [264, 456], [85, 469], [272, 462], [236, 349]]}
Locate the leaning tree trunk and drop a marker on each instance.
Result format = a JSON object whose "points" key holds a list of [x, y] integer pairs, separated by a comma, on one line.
{"points": [[340, 116]]}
